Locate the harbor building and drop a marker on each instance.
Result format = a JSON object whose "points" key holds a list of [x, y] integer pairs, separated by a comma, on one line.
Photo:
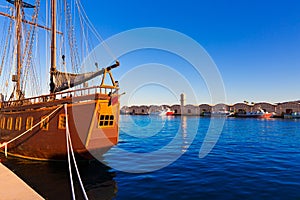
{"points": [[144, 110], [133, 110], [188, 109], [138, 110], [279, 109], [221, 107], [191, 110], [154, 109], [287, 107], [177, 109], [241, 108], [205, 108]]}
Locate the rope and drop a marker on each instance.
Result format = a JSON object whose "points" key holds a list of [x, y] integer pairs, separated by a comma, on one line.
{"points": [[68, 152], [30, 38], [10, 141], [72, 41], [70, 147], [93, 29], [6, 45]]}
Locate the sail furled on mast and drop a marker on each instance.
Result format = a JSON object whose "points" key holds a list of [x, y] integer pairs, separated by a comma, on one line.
{"points": [[65, 81]]}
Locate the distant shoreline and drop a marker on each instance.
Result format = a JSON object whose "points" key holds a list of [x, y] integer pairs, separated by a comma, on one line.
{"points": [[280, 110]]}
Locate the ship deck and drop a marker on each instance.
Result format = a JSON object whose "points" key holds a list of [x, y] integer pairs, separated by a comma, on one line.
{"points": [[78, 95]]}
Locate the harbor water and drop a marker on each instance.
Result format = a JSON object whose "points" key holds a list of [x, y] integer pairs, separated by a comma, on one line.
{"points": [[158, 158]]}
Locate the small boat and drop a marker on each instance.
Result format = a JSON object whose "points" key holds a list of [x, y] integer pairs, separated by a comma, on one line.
{"points": [[221, 114], [166, 112], [170, 113], [293, 115], [256, 114]]}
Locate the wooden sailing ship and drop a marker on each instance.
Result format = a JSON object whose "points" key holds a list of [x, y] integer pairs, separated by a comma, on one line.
{"points": [[35, 127]]}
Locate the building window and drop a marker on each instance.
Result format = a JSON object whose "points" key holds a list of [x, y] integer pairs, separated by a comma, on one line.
{"points": [[45, 124], [9, 123], [29, 123], [3, 123], [105, 121], [189, 111], [241, 111], [18, 124], [62, 121]]}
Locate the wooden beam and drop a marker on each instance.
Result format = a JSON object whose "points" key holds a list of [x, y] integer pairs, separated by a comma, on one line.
{"points": [[29, 22]]}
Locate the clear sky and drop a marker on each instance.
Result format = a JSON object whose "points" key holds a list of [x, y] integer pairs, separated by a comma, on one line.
{"points": [[254, 43]]}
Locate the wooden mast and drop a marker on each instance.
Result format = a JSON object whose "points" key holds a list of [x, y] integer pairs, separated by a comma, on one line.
{"points": [[18, 4], [53, 45]]}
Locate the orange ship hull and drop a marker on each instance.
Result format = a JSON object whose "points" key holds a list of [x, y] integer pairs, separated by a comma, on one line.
{"points": [[92, 119]]}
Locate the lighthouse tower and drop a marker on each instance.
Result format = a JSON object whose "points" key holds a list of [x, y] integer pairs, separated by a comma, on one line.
{"points": [[182, 103]]}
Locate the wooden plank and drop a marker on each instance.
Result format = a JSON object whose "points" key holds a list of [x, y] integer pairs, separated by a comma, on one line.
{"points": [[12, 187]]}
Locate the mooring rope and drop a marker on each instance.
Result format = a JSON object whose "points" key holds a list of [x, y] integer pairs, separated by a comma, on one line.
{"points": [[10, 141], [70, 147], [68, 153]]}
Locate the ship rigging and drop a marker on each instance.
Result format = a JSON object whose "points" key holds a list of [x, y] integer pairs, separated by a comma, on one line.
{"points": [[94, 111]]}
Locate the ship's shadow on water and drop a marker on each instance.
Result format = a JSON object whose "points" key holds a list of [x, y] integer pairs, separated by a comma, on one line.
{"points": [[51, 179]]}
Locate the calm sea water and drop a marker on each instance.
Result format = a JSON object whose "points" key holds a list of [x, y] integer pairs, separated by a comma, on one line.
{"points": [[252, 159]]}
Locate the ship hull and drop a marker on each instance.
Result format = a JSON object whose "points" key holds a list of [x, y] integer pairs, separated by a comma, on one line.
{"points": [[260, 116], [170, 113], [93, 127]]}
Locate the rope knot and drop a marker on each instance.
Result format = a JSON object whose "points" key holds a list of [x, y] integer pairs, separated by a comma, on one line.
{"points": [[3, 144]]}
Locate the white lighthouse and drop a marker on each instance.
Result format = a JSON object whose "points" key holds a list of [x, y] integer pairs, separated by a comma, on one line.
{"points": [[182, 103]]}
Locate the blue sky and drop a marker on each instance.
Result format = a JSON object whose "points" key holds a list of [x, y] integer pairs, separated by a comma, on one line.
{"points": [[255, 44]]}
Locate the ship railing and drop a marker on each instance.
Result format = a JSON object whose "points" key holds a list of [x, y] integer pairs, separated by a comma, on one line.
{"points": [[104, 89]]}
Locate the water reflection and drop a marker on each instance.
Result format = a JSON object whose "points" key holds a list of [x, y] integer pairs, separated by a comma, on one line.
{"points": [[183, 126], [51, 179]]}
